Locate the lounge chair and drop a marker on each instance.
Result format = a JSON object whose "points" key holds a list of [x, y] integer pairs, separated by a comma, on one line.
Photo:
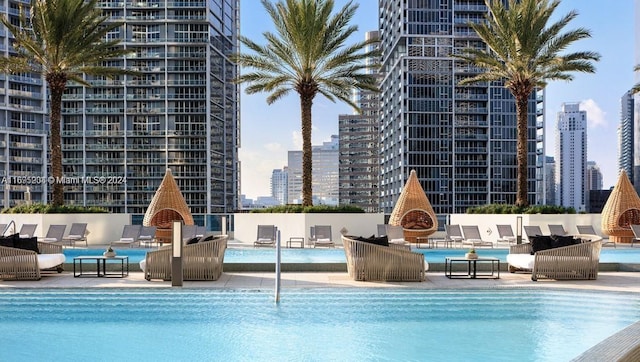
{"points": [[200, 261], [557, 230], [54, 234], [200, 231], [505, 234], [473, 238], [188, 232], [321, 236], [382, 229], [453, 235], [147, 236], [636, 233], [532, 231], [27, 264], [369, 261], [589, 230], [130, 235], [395, 234], [27, 230], [266, 236], [77, 233], [3, 229]]}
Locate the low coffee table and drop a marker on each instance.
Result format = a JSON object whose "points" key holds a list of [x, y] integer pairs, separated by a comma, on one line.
{"points": [[101, 266], [472, 268]]}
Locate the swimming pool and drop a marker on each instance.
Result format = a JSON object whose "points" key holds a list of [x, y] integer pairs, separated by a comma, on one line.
{"points": [[267, 255], [308, 324]]}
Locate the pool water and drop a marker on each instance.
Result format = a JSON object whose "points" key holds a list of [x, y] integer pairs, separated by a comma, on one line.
{"points": [[308, 324], [267, 255]]}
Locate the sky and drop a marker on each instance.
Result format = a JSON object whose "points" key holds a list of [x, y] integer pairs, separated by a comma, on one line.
{"points": [[269, 131]]}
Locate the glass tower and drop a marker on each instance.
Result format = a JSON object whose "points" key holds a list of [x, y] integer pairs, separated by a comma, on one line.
{"points": [[461, 140], [179, 112]]}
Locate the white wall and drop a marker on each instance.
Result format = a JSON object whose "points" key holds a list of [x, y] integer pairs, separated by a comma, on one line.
{"points": [[102, 228], [246, 224]]}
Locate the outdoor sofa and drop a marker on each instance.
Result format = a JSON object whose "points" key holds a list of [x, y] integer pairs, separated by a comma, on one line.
{"points": [[202, 259], [25, 258], [578, 260], [375, 259]]}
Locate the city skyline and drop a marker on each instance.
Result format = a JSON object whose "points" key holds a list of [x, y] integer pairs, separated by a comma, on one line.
{"points": [[270, 131]]}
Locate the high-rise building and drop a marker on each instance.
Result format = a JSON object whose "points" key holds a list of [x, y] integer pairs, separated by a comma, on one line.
{"points": [[550, 181], [324, 177], [594, 176], [179, 112], [571, 157], [461, 140], [359, 157], [279, 185], [626, 137]]}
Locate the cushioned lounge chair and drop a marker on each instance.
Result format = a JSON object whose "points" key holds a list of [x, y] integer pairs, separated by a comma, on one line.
{"points": [[636, 233], [27, 230], [453, 235], [77, 234], [188, 232], [147, 236], [130, 235], [472, 237], [55, 233], [395, 234], [368, 261], [266, 236], [382, 229], [321, 236], [200, 261], [557, 229], [22, 264], [532, 231], [589, 230], [505, 234]]}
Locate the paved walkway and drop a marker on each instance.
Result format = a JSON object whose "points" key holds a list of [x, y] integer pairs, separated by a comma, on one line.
{"points": [[607, 281]]}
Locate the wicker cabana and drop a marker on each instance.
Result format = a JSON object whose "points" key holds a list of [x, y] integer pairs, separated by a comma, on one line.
{"points": [[166, 206], [621, 210], [413, 211]]}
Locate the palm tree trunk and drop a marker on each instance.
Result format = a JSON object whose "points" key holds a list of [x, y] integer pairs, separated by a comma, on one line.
{"points": [[522, 101], [57, 84], [307, 158]]}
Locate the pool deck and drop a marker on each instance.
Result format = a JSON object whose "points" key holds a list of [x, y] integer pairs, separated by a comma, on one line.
{"points": [[607, 281]]}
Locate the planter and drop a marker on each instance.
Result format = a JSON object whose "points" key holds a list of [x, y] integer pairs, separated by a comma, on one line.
{"points": [[109, 254], [471, 256]]}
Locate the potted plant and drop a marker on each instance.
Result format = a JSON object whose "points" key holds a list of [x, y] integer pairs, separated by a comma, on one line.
{"points": [[471, 254], [109, 253]]}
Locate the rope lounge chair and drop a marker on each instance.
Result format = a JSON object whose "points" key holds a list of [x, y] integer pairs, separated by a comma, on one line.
{"points": [[473, 238], [266, 236], [23, 264], [368, 261], [200, 261]]}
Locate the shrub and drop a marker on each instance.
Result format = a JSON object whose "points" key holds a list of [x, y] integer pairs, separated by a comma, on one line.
{"points": [[297, 209], [513, 209], [50, 209]]}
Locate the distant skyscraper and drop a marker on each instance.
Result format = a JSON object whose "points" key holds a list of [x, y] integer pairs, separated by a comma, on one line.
{"points": [[571, 157], [324, 176], [594, 176], [279, 185], [461, 140], [359, 157], [550, 181], [626, 136]]}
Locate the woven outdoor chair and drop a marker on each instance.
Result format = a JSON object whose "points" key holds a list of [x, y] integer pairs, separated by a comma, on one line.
{"points": [[367, 261], [621, 210], [200, 261], [413, 211], [166, 206], [21, 264]]}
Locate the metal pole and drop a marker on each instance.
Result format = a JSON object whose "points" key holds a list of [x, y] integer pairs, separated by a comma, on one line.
{"points": [[176, 260], [277, 297], [519, 230]]}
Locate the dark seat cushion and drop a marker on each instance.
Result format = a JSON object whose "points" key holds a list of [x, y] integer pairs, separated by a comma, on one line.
{"points": [[377, 240], [8, 240], [26, 243], [540, 242], [563, 240], [193, 241]]}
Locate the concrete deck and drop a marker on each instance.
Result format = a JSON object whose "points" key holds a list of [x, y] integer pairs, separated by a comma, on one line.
{"points": [[607, 281]]}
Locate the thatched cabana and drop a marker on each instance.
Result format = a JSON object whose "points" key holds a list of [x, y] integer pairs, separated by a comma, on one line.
{"points": [[413, 211], [621, 210], [167, 205]]}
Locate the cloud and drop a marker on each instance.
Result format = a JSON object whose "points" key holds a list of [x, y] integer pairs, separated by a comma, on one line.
{"points": [[296, 139], [256, 169], [273, 147], [596, 117]]}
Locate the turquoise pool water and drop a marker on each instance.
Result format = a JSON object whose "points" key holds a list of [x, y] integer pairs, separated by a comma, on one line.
{"points": [[250, 255], [308, 325]]}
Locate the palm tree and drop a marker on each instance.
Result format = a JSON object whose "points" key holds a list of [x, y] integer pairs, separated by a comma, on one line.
{"points": [[61, 40], [308, 55], [525, 52]]}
